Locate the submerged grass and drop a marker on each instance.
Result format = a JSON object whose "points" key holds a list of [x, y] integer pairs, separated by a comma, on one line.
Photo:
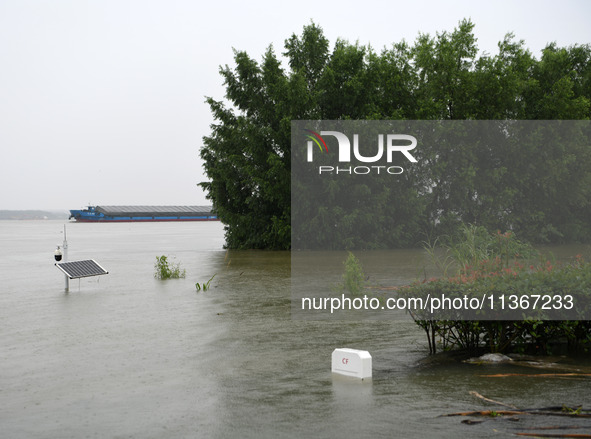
{"points": [[164, 269], [205, 285]]}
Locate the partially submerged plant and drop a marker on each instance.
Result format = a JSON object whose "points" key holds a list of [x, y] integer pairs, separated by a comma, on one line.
{"points": [[535, 298], [205, 285], [354, 278], [476, 249], [572, 411], [163, 269]]}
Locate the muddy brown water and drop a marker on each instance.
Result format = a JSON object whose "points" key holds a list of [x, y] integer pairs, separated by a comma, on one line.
{"points": [[128, 356]]}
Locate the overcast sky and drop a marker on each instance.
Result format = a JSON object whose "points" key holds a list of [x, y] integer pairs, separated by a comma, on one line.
{"points": [[102, 102]]}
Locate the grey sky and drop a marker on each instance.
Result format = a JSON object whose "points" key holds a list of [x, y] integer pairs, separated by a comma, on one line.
{"points": [[102, 102]]}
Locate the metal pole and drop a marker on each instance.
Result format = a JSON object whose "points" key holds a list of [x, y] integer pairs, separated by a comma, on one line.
{"points": [[65, 259]]}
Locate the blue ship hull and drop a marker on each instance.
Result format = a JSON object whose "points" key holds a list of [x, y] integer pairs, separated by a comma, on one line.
{"points": [[95, 214]]}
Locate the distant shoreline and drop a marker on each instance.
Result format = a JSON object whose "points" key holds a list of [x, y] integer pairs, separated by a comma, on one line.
{"points": [[33, 215]]}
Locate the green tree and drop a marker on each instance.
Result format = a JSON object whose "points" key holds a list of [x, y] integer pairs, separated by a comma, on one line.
{"points": [[540, 192], [247, 156]]}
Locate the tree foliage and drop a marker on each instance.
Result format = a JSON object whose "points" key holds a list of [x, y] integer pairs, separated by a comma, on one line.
{"points": [[482, 266], [541, 194]]}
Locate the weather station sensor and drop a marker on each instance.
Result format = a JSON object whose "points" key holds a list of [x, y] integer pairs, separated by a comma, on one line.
{"points": [[75, 269]]}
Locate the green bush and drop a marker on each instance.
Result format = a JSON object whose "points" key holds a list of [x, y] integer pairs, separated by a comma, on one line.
{"points": [[354, 278], [486, 269], [476, 249], [164, 269]]}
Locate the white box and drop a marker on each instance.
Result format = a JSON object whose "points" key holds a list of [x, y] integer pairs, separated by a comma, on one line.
{"points": [[351, 362]]}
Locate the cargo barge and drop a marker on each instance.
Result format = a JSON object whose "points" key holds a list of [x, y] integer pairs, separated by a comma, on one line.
{"points": [[143, 214]]}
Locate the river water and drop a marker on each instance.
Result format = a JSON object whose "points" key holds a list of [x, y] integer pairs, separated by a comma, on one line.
{"points": [[128, 356]]}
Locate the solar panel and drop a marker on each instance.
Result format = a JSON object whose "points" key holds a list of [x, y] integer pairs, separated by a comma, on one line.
{"points": [[78, 269]]}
